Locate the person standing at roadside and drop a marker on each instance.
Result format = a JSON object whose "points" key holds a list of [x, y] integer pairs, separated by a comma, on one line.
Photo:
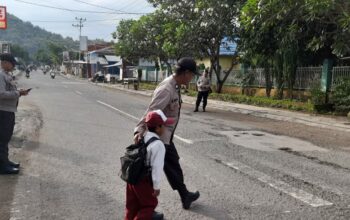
{"points": [[167, 97], [203, 85], [9, 96]]}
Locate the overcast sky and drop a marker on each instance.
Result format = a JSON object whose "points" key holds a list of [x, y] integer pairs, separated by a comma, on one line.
{"points": [[97, 25]]}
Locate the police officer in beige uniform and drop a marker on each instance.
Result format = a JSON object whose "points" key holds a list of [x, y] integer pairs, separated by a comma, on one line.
{"points": [[203, 85], [9, 96], [167, 98]]}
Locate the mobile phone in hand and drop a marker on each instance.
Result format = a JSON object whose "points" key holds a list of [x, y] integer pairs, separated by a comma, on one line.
{"points": [[28, 90]]}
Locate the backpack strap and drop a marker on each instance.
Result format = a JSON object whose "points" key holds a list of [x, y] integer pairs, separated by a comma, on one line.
{"points": [[150, 141]]}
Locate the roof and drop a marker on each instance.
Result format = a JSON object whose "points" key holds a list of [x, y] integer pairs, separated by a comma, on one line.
{"points": [[113, 65], [78, 62], [102, 61], [227, 47], [111, 58], [103, 51]]}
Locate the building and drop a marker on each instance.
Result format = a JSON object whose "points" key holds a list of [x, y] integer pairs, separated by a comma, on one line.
{"points": [[5, 47], [228, 51]]}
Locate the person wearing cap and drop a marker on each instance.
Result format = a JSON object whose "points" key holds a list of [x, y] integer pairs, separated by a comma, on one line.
{"points": [[167, 98], [141, 199], [203, 86], [9, 96]]}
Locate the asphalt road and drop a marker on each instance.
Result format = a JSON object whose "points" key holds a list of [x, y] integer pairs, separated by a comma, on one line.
{"points": [[245, 167]]}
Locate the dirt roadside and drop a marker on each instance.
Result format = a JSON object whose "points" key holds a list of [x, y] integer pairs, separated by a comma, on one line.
{"points": [[26, 133]]}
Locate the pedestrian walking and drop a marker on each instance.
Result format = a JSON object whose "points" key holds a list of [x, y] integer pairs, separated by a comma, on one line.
{"points": [[167, 97], [9, 96], [141, 199], [203, 86]]}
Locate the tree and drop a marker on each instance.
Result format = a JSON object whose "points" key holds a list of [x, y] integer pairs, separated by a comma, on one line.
{"points": [[20, 52], [292, 29], [155, 36], [55, 53], [206, 23], [51, 54], [42, 56]]}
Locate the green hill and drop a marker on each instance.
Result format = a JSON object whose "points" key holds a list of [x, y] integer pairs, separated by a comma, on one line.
{"points": [[32, 38]]}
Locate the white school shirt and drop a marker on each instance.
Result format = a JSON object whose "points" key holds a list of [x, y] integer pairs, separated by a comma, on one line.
{"points": [[155, 158]]}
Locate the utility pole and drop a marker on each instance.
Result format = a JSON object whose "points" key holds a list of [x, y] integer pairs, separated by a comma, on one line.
{"points": [[80, 26]]}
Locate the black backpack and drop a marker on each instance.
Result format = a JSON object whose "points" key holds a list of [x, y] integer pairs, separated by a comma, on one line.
{"points": [[134, 162]]}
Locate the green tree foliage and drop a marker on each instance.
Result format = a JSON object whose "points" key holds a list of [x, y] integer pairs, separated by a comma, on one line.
{"points": [[43, 56], [155, 36], [20, 52], [310, 30], [318, 26], [341, 96], [181, 28], [55, 53]]}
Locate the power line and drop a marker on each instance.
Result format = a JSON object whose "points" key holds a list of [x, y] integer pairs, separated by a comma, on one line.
{"points": [[88, 21], [99, 6], [81, 11], [129, 5]]}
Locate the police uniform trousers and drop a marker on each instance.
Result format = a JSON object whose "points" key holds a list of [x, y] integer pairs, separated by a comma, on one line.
{"points": [[7, 124], [173, 170]]}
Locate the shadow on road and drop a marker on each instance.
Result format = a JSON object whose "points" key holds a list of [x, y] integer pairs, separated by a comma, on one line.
{"points": [[210, 212]]}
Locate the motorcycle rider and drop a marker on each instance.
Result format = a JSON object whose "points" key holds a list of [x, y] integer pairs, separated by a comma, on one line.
{"points": [[52, 74], [27, 72]]}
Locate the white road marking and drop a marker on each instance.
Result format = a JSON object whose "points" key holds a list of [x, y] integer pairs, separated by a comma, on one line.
{"points": [[79, 93], [187, 141], [299, 194], [120, 111]]}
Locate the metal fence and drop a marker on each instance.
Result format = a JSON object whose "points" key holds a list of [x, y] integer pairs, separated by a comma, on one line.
{"points": [[305, 77], [153, 76], [339, 73], [233, 79], [258, 77]]}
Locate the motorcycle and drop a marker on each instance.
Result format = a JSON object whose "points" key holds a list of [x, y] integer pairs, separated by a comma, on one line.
{"points": [[27, 73], [52, 74]]}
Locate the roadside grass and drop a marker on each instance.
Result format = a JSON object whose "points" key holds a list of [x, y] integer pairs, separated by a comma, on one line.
{"points": [[250, 100], [148, 86], [261, 101]]}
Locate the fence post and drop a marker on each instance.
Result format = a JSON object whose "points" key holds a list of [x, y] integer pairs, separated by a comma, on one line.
{"points": [[244, 71], [157, 75], [326, 78]]}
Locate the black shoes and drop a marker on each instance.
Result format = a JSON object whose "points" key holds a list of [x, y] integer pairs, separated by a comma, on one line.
{"points": [[157, 216], [9, 170], [189, 198], [196, 110], [13, 164]]}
